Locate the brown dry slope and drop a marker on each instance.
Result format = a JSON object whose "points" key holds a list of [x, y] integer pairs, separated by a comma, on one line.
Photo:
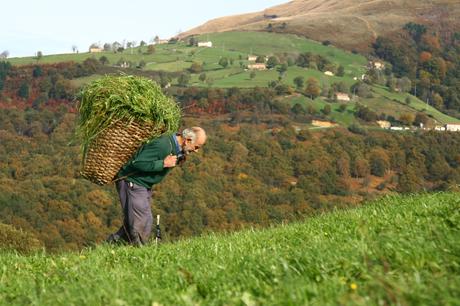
{"points": [[347, 23]]}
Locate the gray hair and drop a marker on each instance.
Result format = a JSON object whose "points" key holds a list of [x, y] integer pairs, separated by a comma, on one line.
{"points": [[189, 134]]}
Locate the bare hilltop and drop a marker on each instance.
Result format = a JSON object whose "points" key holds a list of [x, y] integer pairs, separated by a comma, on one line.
{"points": [[350, 24]]}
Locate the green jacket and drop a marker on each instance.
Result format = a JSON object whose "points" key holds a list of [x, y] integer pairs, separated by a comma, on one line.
{"points": [[145, 168]]}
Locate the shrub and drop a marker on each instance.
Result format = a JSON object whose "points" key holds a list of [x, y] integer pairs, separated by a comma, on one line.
{"points": [[18, 240]]}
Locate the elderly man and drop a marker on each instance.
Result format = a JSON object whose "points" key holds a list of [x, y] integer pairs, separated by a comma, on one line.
{"points": [[146, 168]]}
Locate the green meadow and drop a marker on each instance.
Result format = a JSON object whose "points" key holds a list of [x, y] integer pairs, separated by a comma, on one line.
{"points": [[399, 250]]}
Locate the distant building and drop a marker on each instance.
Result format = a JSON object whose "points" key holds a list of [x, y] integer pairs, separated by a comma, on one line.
{"points": [[453, 127], [341, 96], [207, 44], [95, 50], [439, 128], [257, 66], [324, 124], [252, 58], [162, 41], [329, 73], [384, 124], [376, 65]]}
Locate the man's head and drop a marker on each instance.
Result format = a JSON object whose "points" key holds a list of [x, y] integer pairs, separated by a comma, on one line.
{"points": [[193, 139]]}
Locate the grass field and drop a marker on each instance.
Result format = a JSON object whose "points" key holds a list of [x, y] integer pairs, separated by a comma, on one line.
{"points": [[399, 250], [237, 46]]}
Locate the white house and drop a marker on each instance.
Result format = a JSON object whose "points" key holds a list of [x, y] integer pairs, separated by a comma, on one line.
{"points": [[452, 127], [329, 73], [341, 96], [95, 50], [384, 124], [207, 44], [252, 58], [257, 66], [376, 65]]}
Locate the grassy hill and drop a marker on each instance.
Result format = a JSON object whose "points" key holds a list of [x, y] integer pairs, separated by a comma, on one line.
{"points": [[398, 250], [347, 23], [236, 46]]}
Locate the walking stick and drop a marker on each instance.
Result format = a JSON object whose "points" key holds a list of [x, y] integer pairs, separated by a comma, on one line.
{"points": [[158, 231]]}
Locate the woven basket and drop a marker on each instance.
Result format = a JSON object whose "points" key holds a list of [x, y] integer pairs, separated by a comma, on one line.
{"points": [[113, 148]]}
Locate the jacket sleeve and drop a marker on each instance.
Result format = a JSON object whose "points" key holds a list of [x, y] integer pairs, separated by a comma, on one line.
{"points": [[150, 157]]}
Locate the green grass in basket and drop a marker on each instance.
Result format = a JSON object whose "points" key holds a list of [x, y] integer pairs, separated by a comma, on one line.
{"points": [[127, 98]]}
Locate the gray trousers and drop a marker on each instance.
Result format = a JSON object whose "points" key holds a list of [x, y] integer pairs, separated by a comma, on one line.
{"points": [[137, 215]]}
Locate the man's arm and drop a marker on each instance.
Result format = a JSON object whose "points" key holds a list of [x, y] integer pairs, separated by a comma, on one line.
{"points": [[153, 157]]}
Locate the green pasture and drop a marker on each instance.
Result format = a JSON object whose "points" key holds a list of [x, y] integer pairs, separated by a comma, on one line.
{"points": [[399, 250], [415, 104]]}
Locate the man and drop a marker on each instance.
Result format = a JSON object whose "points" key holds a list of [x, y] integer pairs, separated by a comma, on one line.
{"points": [[148, 167]]}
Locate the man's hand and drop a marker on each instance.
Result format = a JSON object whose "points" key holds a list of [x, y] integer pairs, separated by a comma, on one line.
{"points": [[170, 161]]}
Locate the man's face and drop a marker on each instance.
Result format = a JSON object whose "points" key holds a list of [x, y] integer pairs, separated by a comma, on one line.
{"points": [[190, 147]]}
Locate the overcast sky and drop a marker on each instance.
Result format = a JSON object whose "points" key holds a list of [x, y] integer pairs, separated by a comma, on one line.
{"points": [[54, 26]]}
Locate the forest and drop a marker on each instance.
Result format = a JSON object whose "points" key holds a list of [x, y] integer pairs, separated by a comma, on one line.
{"points": [[430, 57], [248, 175], [257, 168]]}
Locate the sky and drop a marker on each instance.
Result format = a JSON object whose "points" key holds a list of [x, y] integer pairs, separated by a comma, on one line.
{"points": [[54, 26]]}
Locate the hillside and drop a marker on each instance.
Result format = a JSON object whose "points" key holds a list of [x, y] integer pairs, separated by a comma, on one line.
{"points": [[236, 46], [398, 250], [349, 24]]}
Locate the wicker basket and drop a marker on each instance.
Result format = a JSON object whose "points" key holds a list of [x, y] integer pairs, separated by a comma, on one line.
{"points": [[113, 148]]}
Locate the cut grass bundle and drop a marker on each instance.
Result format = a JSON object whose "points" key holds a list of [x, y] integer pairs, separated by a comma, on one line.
{"points": [[118, 114]]}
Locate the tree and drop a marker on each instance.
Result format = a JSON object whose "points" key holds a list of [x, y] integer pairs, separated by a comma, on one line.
{"points": [[107, 47], [151, 49], [39, 55], [282, 69], [23, 91], [196, 67], [202, 77], [37, 72], [361, 90], [407, 119], [183, 79], [103, 60], [379, 162], [192, 41], [141, 64], [115, 46], [327, 109], [341, 71], [404, 84], [74, 49], [252, 75], [4, 54], [272, 62], [299, 82], [313, 89], [223, 62], [260, 59], [421, 118], [298, 109]]}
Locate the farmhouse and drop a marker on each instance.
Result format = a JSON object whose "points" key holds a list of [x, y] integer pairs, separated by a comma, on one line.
{"points": [[252, 58], [341, 96], [95, 50], [453, 127], [329, 73], [384, 124], [207, 44], [376, 65], [324, 124], [257, 66]]}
